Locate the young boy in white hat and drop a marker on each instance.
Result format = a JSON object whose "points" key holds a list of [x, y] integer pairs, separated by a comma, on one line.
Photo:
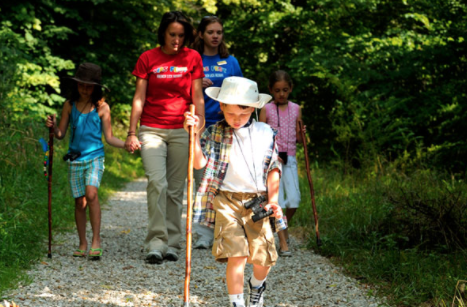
{"points": [[241, 162]]}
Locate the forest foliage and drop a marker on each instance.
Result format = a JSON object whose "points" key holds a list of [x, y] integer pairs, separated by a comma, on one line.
{"points": [[382, 89], [379, 80]]}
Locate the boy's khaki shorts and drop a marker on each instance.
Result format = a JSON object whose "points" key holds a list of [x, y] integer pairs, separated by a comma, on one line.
{"points": [[236, 235]]}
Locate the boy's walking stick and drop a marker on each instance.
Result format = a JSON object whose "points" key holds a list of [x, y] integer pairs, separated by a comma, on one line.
{"points": [[310, 182], [189, 210], [51, 160]]}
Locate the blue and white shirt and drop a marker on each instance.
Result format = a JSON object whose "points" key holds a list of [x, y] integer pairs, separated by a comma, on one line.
{"points": [[217, 69]]}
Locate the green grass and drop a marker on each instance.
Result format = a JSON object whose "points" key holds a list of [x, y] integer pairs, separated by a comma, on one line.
{"points": [[381, 230], [24, 194]]}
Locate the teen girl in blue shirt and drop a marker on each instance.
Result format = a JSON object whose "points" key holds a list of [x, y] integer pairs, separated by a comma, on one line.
{"points": [[217, 63]]}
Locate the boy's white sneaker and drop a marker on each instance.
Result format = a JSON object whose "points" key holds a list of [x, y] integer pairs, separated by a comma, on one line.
{"points": [[236, 305], [255, 295]]}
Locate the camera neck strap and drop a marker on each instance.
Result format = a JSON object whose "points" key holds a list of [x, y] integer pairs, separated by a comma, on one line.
{"points": [[252, 174], [75, 121]]}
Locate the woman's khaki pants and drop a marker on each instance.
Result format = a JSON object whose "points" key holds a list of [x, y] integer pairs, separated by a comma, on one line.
{"points": [[165, 160]]}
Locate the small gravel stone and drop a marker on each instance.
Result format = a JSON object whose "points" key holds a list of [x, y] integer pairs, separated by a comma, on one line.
{"points": [[123, 278]]}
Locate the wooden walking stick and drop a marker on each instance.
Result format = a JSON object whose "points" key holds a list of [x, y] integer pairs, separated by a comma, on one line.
{"points": [[189, 210], [310, 182], [51, 160]]}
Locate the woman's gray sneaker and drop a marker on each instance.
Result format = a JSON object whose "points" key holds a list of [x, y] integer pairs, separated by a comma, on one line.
{"points": [[154, 257], [171, 256]]}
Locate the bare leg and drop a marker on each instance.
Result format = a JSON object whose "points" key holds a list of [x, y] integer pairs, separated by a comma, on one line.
{"points": [[94, 215], [283, 235], [289, 213], [234, 274], [80, 219], [260, 272]]}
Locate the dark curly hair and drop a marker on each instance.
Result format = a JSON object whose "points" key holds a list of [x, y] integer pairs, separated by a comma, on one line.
{"points": [[175, 16]]}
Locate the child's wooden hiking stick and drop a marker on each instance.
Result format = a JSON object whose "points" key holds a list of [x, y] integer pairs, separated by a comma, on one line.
{"points": [[51, 160], [310, 182], [189, 209]]}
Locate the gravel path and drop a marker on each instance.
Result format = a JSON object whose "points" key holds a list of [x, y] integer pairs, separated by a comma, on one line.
{"points": [[122, 278]]}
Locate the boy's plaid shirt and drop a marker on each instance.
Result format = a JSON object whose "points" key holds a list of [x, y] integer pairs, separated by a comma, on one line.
{"points": [[216, 143]]}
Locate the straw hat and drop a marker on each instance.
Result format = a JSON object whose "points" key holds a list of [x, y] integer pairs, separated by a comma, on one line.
{"points": [[89, 73], [238, 90]]}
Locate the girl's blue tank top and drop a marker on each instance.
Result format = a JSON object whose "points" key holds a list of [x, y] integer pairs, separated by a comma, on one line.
{"points": [[86, 134]]}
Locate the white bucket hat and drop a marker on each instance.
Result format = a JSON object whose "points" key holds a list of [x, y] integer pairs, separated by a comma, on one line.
{"points": [[238, 90]]}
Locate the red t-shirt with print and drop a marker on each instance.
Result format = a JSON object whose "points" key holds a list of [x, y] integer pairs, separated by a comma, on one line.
{"points": [[168, 94]]}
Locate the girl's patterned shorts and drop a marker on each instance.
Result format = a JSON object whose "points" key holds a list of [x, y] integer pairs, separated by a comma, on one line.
{"points": [[83, 173]]}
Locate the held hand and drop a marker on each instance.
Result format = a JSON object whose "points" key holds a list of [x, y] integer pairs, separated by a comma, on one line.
{"points": [[207, 82], [276, 208], [280, 160], [304, 129], [132, 143], [191, 120], [51, 121]]}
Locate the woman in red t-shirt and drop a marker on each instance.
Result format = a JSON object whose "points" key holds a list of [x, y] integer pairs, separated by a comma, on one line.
{"points": [[169, 79]]}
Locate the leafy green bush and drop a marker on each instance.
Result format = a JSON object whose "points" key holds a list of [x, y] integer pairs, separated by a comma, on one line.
{"points": [[403, 233], [378, 80], [430, 210], [29, 70]]}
